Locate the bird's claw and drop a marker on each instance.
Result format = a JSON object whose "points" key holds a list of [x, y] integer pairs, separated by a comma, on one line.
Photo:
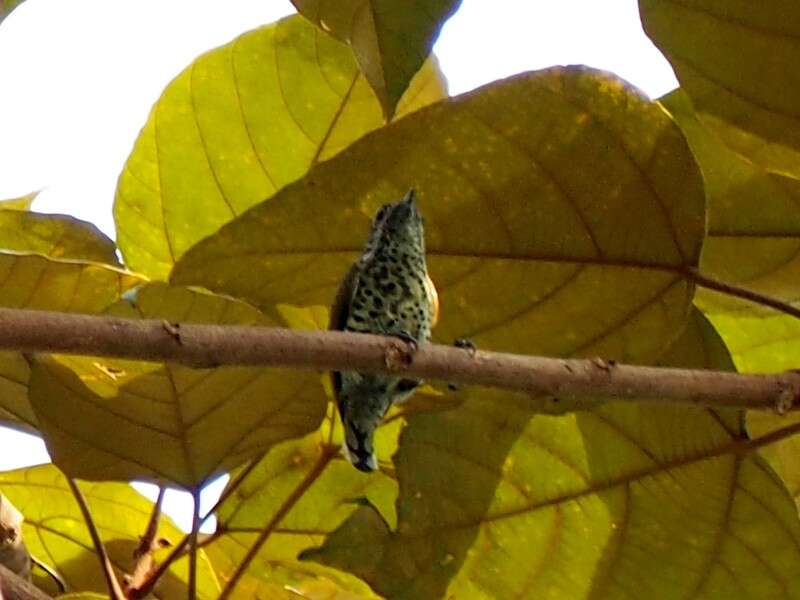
{"points": [[467, 344]]}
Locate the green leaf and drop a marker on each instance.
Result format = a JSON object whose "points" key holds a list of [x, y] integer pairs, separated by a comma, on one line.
{"points": [[753, 223], [21, 203], [561, 209], [389, 38], [55, 531], [170, 422], [238, 124], [32, 281], [625, 501], [748, 76]]}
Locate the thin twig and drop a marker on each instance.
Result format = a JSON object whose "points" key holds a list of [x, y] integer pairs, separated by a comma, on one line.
{"points": [[327, 454], [706, 281], [210, 345], [114, 588], [14, 587], [147, 545], [193, 543], [147, 585]]}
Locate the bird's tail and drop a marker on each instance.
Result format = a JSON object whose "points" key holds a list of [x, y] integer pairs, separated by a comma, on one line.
{"points": [[358, 447]]}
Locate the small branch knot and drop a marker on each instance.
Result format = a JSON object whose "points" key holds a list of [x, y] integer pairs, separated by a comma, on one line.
{"points": [[785, 401]]}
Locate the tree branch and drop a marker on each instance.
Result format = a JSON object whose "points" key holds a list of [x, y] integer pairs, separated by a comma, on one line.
{"points": [[114, 589], [213, 345], [14, 587]]}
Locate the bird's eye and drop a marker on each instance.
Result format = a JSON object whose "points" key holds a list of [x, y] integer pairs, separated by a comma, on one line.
{"points": [[381, 213]]}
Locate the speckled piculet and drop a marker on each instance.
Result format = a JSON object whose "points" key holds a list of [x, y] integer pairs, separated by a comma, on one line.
{"points": [[386, 292]]}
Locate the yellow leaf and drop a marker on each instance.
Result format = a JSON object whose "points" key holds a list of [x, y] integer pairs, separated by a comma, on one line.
{"points": [[561, 209], [737, 61], [623, 501], [390, 38], [33, 281], [753, 222], [21, 203], [55, 531], [171, 423], [238, 124]]}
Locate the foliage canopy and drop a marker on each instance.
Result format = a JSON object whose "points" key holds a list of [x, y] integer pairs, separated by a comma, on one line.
{"points": [[566, 215]]}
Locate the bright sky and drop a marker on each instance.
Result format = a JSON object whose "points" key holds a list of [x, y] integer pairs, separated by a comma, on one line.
{"points": [[78, 79]]}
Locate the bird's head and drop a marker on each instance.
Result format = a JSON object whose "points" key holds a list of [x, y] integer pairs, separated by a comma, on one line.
{"points": [[399, 222]]}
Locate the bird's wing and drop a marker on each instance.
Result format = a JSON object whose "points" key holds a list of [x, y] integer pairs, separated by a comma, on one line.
{"points": [[340, 312]]}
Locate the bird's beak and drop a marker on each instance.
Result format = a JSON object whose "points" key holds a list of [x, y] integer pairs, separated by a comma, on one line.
{"points": [[410, 197]]}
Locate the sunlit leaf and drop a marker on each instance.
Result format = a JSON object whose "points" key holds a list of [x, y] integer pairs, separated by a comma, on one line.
{"points": [[31, 281], [55, 236], [561, 208], [760, 344], [302, 490], [738, 63], [55, 531], [21, 203], [239, 123], [753, 222], [390, 38], [624, 501], [182, 425]]}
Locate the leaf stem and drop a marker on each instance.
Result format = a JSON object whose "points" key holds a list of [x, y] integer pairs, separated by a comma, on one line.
{"points": [[193, 543], [706, 281], [325, 458], [150, 581], [114, 588]]}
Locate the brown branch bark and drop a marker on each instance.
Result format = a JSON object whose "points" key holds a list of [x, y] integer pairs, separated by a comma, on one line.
{"points": [[14, 587], [213, 345]]}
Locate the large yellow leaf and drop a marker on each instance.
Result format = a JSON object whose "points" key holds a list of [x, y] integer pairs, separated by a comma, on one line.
{"points": [[561, 209], [625, 501], [738, 63], [32, 281], [55, 531], [390, 38], [170, 422], [239, 123], [753, 222]]}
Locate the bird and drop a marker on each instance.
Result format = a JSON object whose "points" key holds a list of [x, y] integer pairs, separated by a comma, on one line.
{"points": [[387, 291]]}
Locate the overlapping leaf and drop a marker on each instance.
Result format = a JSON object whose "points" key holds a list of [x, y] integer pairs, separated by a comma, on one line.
{"points": [[56, 534], [390, 38], [302, 490], [21, 203], [239, 123], [55, 236], [169, 422], [623, 501], [32, 281], [753, 222], [747, 77], [560, 206]]}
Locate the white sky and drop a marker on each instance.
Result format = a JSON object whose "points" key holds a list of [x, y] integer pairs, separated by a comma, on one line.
{"points": [[77, 80]]}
